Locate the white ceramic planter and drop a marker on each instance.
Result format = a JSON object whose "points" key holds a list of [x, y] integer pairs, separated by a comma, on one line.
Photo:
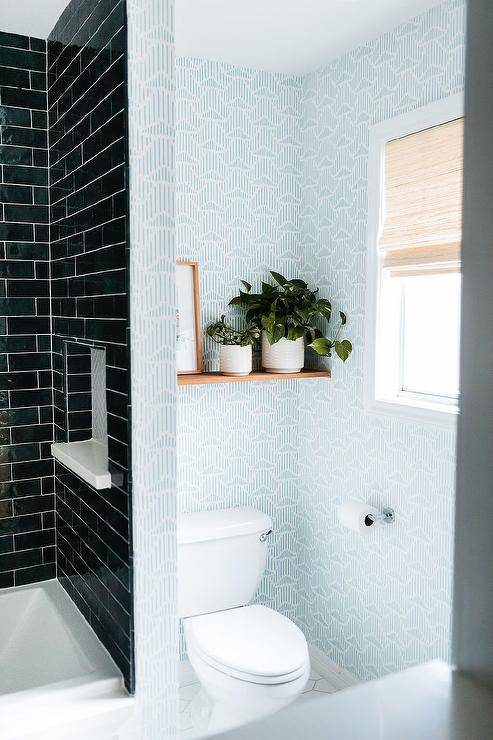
{"points": [[235, 360], [285, 356]]}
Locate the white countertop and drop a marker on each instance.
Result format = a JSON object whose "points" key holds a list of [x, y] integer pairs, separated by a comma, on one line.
{"points": [[429, 702]]}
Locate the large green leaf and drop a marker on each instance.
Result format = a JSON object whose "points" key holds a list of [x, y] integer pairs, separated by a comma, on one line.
{"points": [[295, 332], [268, 322], [321, 345], [343, 349], [277, 333], [324, 307], [251, 314], [302, 314], [310, 334], [279, 278], [267, 288], [242, 299], [298, 283]]}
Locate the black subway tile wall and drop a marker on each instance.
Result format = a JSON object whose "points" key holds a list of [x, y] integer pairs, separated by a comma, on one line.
{"points": [[27, 534], [88, 208], [77, 420]]}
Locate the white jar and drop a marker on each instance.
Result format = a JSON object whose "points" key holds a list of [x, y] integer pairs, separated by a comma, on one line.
{"points": [[235, 359], [285, 356]]}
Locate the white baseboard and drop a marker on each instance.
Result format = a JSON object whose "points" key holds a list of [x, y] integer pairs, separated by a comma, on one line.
{"points": [[335, 675]]}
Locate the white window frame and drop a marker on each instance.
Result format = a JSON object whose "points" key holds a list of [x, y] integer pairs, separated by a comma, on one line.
{"points": [[418, 408]]}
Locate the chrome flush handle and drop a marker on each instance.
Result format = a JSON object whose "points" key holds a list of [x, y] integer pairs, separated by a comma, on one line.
{"points": [[264, 535]]}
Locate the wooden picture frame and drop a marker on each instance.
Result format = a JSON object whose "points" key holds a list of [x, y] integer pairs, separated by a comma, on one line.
{"points": [[189, 335]]}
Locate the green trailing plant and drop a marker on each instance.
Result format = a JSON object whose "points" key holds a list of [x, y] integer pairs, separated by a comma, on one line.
{"points": [[290, 309], [222, 333]]}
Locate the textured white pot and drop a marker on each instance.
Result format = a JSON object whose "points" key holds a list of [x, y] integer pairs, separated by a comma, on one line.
{"points": [[235, 360], [285, 356]]}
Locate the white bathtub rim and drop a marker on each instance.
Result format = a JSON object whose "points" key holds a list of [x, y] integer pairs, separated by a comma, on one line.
{"points": [[52, 716], [44, 708], [96, 663]]}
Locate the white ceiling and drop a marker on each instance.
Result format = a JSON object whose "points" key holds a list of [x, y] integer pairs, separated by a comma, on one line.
{"points": [[293, 36], [30, 17]]}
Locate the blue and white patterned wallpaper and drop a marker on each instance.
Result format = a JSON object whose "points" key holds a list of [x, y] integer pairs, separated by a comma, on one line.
{"points": [[238, 168], [271, 172], [152, 317], [384, 604]]}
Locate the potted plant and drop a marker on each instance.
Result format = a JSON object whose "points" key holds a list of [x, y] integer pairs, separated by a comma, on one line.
{"points": [[235, 346], [287, 313]]}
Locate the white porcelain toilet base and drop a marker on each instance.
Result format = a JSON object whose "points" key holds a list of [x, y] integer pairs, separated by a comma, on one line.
{"points": [[225, 702]]}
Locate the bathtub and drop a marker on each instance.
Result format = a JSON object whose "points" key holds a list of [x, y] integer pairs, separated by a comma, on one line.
{"points": [[54, 672]]}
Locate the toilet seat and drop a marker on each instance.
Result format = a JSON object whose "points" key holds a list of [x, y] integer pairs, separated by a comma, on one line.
{"points": [[250, 643]]}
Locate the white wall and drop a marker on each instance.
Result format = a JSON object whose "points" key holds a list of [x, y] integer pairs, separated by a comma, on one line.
{"points": [[473, 596]]}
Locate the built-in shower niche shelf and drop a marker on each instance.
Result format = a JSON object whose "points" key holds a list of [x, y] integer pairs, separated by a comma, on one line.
{"points": [[87, 459]]}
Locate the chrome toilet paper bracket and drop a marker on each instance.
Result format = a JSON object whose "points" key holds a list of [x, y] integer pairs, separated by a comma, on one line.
{"points": [[386, 517]]}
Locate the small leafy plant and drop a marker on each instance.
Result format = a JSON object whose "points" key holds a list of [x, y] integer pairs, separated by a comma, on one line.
{"points": [[222, 333], [290, 310]]}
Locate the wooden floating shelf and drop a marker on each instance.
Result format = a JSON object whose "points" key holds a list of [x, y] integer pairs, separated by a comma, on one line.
{"points": [[209, 378]]}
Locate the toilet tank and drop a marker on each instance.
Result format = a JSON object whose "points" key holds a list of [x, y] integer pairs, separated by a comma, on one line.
{"points": [[221, 559]]}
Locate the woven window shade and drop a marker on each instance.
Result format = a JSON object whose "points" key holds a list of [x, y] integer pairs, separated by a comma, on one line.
{"points": [[422, 228]]}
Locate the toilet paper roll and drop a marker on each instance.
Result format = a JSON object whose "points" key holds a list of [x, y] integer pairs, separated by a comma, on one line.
{"points": [[354, 515]]}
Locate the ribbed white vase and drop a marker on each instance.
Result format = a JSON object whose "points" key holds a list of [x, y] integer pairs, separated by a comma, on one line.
{"points": [[235, 360], [285, 356]]}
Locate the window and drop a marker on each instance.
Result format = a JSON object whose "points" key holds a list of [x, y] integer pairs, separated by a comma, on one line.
{"points": [[414, 266]]}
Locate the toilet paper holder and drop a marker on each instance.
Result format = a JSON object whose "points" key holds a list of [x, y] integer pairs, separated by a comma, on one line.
{"points": [[386, 517]]}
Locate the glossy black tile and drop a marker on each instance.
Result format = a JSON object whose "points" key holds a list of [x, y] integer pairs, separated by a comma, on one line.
{"points": [[15, 560], [33, 505], [32, 99], [10, 77], [23, 251], [16, 453], [89, 302], [37, 573], [14, 40], [30, 361], [22, 59], [43, 538], [17, 524], [25, 175], [14, 231], [32, 469], [31, 137]]}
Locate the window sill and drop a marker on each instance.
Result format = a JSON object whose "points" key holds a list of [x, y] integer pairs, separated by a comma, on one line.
{"points": [[418, 411]]}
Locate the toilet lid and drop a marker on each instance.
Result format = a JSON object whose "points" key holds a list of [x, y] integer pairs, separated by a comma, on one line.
{"points": [[252, 640]]}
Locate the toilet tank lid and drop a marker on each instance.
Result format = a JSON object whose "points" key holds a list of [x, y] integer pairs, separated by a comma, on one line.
{"points": [[214, 525]]}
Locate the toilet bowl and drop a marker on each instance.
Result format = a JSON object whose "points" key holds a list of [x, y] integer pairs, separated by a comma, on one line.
{"points": [[250, 660]]}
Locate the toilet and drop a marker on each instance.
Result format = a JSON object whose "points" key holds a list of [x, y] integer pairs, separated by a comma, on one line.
{"points": [[250, 660]]}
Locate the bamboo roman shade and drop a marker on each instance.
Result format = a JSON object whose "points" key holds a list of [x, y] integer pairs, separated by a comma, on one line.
{"points": [[422, 225]]}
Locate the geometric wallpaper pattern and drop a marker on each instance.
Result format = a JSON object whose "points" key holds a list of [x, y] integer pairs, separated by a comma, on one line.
{"points": [[152, 312], [382, 604], [238, 198], [238, 169], [271, 173]]}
